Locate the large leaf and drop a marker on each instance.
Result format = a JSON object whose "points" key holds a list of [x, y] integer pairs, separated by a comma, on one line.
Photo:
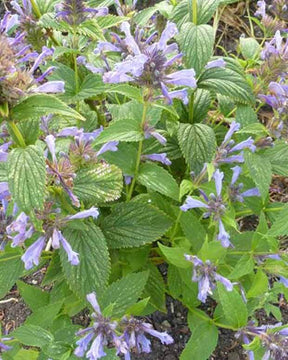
{"points": [[197, 143], [32, 335], [27, 177], [193, 230], [123, 130], [280, 225], [196, 42], [260, 171], [99, 184], [91, 86], [149, 176], [134, 224], [226, 82], [202, 342], [202, 101], [40, 105], [155, 289], [124, 293], [11, 268], [94, 266], [277, 155]]}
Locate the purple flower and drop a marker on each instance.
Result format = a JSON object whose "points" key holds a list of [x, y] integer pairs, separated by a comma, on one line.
{"points": [[110, 146], [50, 87], [128, 179], [275, 48], [33, 253], [57, 239], [261, 10], [93, 212], [206, 276], [216, 63], [4, 347], [125, 9], [134, 335], [103, 331], [146, 62], [149, 131], [214, 206], [74, 12], [225, 152], [235, 190], [19, 230], [158, 157]]}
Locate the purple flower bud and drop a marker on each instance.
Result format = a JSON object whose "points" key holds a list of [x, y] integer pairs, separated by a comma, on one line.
{"points": [[33, 253], [182, 78], [51, 87], [50, 141], [84, 214], [158, 157], [19, 226], [236, 173], [247, 144], [218, 177], [83, 345], [110, 146], [128, 179], [251, 192], [223, 236], [233, 128], [261, 11], [72, 255], [45, 53], [169, 32], [191, 203], [93, 301], [216, 63]]}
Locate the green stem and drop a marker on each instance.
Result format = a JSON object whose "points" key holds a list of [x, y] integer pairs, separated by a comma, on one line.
{"points": [[194, 11], [139, 153], [17, 134], [36, 9], [172, 237], [191, 108]]}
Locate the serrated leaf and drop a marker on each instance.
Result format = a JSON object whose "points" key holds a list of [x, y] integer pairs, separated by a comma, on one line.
{"points": [[197, 143], [33, 335], [11, 268], [29, 129], [91, 29], [193, 230], [143, 17], [40, 105], [245, 115], [45, 315], [277, 155], [3, 172], [149, 175], [124, 158], [234, 309], [91, 86], [196, 42], [124, 293], [94, 264], [155, 288], [134, 224], [108, 21], [202, 342], [27, 177], [280, 225], [202, 101], [33, 296], [127, 90], [102, 183], [226, 82], [244, 266], [175, 256], [260, 171], [259, 285], [127, 130]]}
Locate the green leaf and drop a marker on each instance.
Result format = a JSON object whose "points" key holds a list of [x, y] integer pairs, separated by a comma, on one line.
{"points": [[138, 308], [277, 155], [91, 86], [29, 129], [124, 158], [91, 29], [197, 143], [11, 268], [280, 225], [249, 47], [259, 286], [122, 130], [143, 17], [45, 315], [32, 335], [245, 115], [202, 101], [94, 264], [196, 42], [234, 309], [129, 91], [226, 82], [202, 342], [3, 172], [40, 105], [27, 177], [155, 289], [108, 21], [99, 184], [149, 175], [124, 293], [260, 171], [26, 354], [243, 267], [134, 224], [193, 230], [175, 256], [33, 296]]}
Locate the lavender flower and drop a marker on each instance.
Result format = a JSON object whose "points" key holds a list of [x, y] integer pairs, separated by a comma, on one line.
{"points": [[271, 23], [125, 8], [206, 276], [216, 63], [276, 48], [149, 132], [214, 206], [74, 12], [19, 230], [273, 340], [158, 157], [4, 347], [147, 64], [226, 151], [134, 335], [235, 190], [55, 237], [102, 331]]}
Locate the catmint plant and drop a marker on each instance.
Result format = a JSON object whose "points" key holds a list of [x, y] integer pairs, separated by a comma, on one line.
{"points": [[144, 161]]}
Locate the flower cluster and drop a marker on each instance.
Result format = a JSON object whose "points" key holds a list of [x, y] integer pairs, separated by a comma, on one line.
{"points": [[206, 276], [279, 15], [104, 331]]}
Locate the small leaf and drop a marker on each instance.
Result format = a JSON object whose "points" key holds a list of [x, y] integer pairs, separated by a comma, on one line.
{"points": [[124, 293], [245, 115], [280, 225], [33, 296], [33, 335], [155, 288], [249, 47], [27, 177], [149, 175], [134, 224], [259, 286], [99, 184], [175, 256], [197, 143], [11, 268], [243, 267], [94, 264], [193, 230]]}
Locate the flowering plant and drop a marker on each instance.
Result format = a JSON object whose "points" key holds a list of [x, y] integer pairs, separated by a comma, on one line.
{"points": [[131, 158]]}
